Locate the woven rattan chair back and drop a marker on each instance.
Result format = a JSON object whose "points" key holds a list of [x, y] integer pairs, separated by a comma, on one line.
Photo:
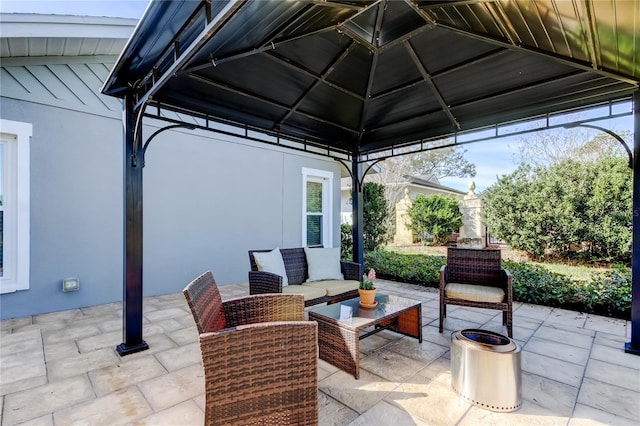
{"points": [[205, 302], [259, 355], [476, 267], [473, 266]]}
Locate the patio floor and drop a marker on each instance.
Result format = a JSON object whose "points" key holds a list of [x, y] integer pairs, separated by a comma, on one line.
{"points": [[61, 368]]}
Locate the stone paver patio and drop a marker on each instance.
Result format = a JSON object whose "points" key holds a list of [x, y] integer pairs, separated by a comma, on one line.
{"points": [[61, 368]]}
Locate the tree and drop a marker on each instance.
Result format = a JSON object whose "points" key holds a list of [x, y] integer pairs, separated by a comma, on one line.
{"points": [[436, 215], [442, 162], [375, 216], [546, 148]]}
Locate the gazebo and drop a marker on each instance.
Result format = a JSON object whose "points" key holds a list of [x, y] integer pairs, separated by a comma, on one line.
{"points": [[364, 80]]}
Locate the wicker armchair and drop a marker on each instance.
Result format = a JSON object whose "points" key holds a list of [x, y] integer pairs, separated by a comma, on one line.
{"points": [[259, 355], [476, 278]]}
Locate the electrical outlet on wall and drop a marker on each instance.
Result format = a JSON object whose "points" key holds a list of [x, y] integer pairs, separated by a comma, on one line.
{"points": [[70, 284]]}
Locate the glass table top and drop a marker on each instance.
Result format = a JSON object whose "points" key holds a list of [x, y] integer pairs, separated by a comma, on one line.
{"points": [[350, 311]]}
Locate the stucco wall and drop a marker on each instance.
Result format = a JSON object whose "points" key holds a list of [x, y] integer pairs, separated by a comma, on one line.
{"points": [[206, 202]]}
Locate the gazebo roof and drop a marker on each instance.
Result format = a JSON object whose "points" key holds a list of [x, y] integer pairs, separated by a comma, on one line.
{"points": [[363, 76], [358, 78]]}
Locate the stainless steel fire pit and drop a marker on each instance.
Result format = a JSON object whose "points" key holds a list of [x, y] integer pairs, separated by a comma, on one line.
{"points": [[485, 369]]}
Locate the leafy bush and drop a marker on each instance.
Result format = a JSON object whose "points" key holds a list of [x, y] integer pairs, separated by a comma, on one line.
{"points": [[569, 210], [435, 215], [606, 293], [609, 212], [536, 284]]}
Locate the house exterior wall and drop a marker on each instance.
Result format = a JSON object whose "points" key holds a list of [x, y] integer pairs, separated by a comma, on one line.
{"points": [[208, 199], [414, 191]]}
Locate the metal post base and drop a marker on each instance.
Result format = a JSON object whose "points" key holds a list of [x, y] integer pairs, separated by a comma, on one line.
{"points": [[631, 350], [123, 349]]}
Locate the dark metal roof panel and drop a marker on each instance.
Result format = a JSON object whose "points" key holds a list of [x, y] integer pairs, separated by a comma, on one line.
{"points": [[604, 34], [363, 75], [446, 50], [156, 30], [498, 74]]}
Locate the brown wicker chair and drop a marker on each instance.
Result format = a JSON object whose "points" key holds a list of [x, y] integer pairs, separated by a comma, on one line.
{"points": [[473, 268], [260, 357]]}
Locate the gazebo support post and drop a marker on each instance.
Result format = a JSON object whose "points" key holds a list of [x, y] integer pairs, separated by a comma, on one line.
{"points": [[132, 286], [633, 346], [357, 205]]}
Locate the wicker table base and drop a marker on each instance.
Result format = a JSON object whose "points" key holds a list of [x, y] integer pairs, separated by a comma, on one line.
{"points": [[342, 325]]}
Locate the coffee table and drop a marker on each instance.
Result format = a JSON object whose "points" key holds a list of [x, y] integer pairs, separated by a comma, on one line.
{"points": [[342, 325]]}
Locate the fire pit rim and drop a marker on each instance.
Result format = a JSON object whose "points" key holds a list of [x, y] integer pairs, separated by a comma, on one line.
{"points": [[506, 343]]}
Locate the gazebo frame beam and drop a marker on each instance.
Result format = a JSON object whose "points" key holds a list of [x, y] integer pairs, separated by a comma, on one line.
{"points": [[633, 346]]}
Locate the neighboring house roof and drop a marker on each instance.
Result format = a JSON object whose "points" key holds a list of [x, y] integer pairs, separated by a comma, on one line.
{"points": [[61, 60], [433, 185], [413, 181]]}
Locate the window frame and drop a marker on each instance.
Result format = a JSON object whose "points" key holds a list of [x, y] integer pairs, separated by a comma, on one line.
{"points": [[326, 179], [16, 138]]}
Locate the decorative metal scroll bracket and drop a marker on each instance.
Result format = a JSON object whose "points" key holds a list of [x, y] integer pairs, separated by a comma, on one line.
{"points": [[157, 132], [361, 180], [610, 133]]}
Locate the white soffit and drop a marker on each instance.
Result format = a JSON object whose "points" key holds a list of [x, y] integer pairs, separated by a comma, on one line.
{"points": [[26, 35]]}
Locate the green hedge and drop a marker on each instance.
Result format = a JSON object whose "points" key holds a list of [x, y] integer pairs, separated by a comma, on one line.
{"points": [[606, 293], [409, 268]]}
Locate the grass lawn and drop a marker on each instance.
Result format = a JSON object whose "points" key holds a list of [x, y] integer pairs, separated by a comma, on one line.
{"points": [[576, 272], [582, 273]]}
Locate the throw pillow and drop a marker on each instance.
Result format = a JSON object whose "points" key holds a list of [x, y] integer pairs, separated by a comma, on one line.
{"points": [[323, 263], [271, 261]]}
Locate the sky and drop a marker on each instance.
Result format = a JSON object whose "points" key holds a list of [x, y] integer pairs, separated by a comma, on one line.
{"points": [[492, 158], [498, 157], [112, 8]]}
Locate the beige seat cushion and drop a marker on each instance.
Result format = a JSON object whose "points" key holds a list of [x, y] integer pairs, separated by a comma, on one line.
{"points": [[474, 293], [308, 292], [334, 287]]}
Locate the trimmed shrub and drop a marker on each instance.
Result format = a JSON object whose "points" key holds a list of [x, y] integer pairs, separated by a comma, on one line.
{"points": [[606, 293], [436, 216], [410, 268]]}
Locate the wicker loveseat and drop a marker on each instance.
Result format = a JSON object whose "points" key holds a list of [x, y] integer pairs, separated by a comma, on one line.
{"points": [[297, 271]]}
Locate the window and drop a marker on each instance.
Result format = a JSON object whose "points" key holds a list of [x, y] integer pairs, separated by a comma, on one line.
{"points": [[14, 205], [317, 208]]}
